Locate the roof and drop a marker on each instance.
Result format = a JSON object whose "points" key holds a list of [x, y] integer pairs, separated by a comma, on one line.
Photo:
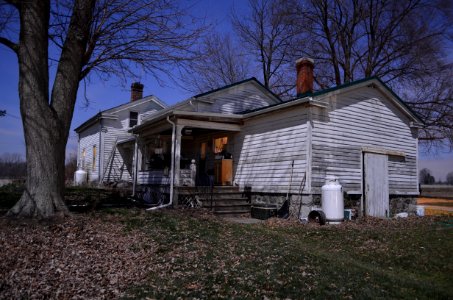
{"points": [[168, 110], [252, 79], [309, 97], [110, 113]]}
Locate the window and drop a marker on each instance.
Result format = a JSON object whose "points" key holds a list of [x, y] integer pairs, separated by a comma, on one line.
{"points": [[219, 144], [94, 157], [133, 118]]}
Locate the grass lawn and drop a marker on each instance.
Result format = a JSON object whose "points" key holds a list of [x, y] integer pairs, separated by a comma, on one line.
{"points": [[204, 257], [129, 253]]}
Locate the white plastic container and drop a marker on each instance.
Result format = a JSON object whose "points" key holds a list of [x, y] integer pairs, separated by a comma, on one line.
{"points": [[80, 177], [332, 200], [420, 210]]}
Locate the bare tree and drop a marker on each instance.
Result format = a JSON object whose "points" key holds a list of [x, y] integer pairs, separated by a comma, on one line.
{"points": [[425, 176], [223, 62], [268, 34], [89, 36], [70, 167], [432, 99], [401, 42], [450, 178], [356, 38]]}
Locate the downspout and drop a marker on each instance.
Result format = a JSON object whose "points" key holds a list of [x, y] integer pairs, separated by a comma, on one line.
{"points": [[135, 167], [79, 158], [100, 150], [172, 167]]}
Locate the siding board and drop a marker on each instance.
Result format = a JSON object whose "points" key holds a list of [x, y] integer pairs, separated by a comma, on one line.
{"points": [[362, 118], [266, 148]]}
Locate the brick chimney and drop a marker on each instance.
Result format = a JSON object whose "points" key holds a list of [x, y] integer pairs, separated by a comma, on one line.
{"points": [[136, 91], [304, 83]]}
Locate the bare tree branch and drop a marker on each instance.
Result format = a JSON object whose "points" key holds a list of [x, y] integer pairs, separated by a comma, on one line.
{"points": [[268, 34], [9, 44], [222, 63]]}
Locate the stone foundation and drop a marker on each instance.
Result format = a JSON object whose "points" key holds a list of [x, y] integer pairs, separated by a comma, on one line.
{"points": [[296, 211], [309, 202], [400, 204]]}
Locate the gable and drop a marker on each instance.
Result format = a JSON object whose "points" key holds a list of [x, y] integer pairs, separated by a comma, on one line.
{"points": [[361, 86], [368, 102], [236, 98], [144, 107]]}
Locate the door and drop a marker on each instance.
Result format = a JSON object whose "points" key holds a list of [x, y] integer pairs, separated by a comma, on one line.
{"points": [[376, 185]]}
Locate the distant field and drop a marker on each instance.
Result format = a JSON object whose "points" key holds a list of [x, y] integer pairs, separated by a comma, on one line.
{"points": [[437, 199], [437, 191]]}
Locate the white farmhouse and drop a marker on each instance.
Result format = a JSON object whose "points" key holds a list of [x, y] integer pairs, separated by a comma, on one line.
{"points": [[102, 149], [245, 137]]}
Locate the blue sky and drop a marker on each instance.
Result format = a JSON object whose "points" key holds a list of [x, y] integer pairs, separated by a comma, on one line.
{"points": [[106, 94]]}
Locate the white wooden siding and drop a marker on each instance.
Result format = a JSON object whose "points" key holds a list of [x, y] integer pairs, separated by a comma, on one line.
{"points": [[120, 166], [87, 139], [115, 169], [152, 177], [361, 118], [265, 149]]}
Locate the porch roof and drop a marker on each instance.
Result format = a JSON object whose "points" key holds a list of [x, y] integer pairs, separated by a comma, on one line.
{"points": [[216, 121]]}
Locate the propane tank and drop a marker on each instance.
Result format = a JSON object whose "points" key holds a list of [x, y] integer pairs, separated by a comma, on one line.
{"points": [[80, 177], [332, 200]]}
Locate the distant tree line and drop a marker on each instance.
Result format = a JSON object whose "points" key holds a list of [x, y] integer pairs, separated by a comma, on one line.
{"points": [[12, 166], [425, 177]]}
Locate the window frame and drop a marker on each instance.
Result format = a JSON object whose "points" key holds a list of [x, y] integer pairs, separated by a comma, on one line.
{"points": [[135, 119]]}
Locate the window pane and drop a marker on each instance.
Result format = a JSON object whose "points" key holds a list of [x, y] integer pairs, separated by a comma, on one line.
{"points": [[219, 144], [133, 118]]}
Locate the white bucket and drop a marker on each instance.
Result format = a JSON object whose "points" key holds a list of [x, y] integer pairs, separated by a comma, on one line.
{"points": [[420, 210]]}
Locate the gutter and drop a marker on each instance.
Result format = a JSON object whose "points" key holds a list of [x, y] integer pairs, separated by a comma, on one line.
{"points": [[172, 167]]}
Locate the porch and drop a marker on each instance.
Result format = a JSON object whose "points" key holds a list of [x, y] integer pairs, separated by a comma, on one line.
{"points": [[198, 149], [222, 200]]}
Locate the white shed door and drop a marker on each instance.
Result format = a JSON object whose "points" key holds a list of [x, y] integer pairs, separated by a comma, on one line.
{"points": [[376, 185]]}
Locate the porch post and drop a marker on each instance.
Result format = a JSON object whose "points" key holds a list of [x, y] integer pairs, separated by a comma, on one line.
{"points": [[179, 129]]}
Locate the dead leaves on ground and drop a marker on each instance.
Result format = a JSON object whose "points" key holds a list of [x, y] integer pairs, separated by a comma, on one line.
{"points": [[176, 253], [81, 257]]}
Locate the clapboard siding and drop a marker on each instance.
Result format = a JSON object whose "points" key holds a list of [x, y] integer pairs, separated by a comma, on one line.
{"points": [[119, 167], [234, 100], [109, 131], [87, 139], [266, 148], [152, 177], [352, 121]]}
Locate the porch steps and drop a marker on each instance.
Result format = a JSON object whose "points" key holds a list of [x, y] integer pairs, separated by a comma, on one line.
{"points": [[228, 201]]}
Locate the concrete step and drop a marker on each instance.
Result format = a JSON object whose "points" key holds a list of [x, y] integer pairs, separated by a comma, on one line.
{"points": [[224, 195], [232, 207], [225, 201], [232, 213]]}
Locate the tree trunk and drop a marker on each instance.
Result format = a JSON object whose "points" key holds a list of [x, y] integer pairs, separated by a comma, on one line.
{"points": [[44, 188], [46, 120]]}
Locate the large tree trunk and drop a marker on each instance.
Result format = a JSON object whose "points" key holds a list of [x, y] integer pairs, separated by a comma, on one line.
{"points": [[47, 119], [44, 188]]}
